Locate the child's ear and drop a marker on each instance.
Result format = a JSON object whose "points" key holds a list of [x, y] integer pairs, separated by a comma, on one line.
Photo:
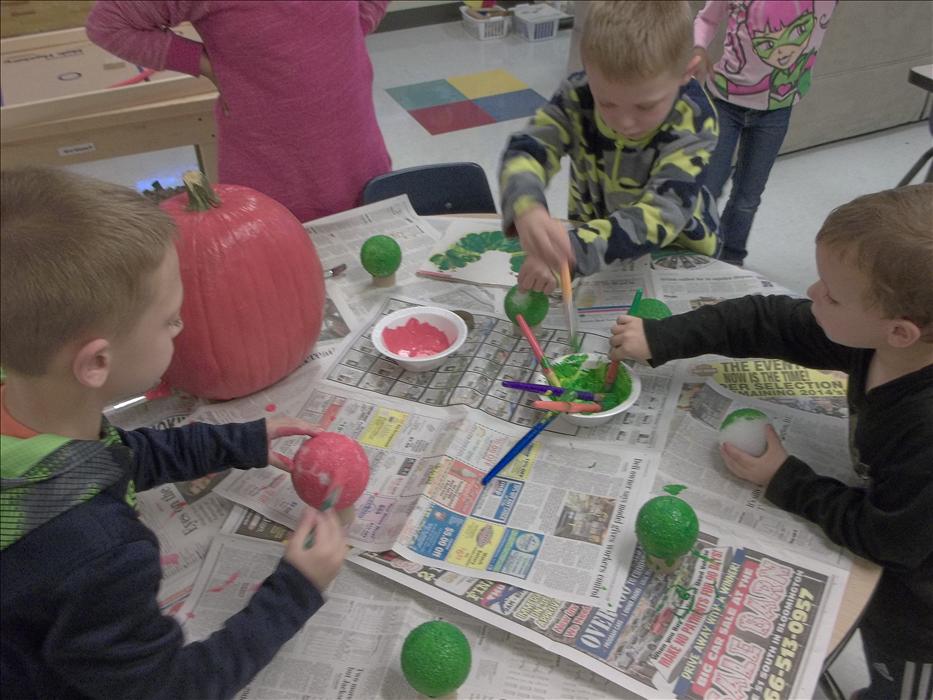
{"points": [[92, 363], [691, 70], [903, 333]]}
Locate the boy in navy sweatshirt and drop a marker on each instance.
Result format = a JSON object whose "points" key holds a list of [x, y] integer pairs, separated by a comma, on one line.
{"points": [[91, 295]]}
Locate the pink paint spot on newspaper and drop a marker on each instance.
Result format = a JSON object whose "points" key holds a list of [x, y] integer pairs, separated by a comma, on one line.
{"points": [[226, 584]]}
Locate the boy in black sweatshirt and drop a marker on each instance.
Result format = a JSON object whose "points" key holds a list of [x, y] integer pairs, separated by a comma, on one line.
{"points": [[870, 314]]}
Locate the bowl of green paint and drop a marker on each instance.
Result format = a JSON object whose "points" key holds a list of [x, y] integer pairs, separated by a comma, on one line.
{"points": [[584, 372]]}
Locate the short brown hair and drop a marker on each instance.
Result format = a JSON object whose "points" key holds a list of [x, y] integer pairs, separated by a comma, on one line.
{"points": [[888, 236], [630, 38], [76, 258]]}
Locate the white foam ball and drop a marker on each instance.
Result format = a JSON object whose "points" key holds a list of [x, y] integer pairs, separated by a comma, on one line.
{"points": [[745, 428]]}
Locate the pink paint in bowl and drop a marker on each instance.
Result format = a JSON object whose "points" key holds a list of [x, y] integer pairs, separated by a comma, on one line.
{"points": [[419, 338], [415, 339]]}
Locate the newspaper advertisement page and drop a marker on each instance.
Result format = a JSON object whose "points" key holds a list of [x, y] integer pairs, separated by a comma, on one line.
{"points": [[733, 621], [351, 647], [494, 351], [692, 457], [403, 443], [338, 239], [558, 520], [816, 391], [425, 496]]}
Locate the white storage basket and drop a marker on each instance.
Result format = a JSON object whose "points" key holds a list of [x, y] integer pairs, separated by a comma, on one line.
{"points": [[487, 28], [536, 22]]}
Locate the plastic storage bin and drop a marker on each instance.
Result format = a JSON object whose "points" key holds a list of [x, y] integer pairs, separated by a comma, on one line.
{"points": [[536, 22], [487, 28]]}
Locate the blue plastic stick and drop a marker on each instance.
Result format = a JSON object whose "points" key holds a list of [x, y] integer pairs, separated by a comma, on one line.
{"points": [[519, 447]]}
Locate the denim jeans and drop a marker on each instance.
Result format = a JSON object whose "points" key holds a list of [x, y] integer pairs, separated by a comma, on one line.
{"points": [[758, 135]]}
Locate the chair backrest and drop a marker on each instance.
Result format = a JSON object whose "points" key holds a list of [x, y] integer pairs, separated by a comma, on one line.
{"points": [[442, 188]]}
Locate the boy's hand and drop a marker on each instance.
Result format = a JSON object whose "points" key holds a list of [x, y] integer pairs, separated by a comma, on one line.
{"points": [[628, 340], [544, 238], [284, 426], [758, 470], [535, 275], [321, 562]]}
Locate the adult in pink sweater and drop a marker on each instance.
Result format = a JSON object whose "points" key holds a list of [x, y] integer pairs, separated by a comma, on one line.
{"points": [[295, 119]]}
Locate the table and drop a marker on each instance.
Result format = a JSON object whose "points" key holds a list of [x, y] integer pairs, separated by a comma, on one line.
{"points": [[345, 389], [58, 108]]}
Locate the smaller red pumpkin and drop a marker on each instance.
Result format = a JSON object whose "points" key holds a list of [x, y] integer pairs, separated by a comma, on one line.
{"points": [[327, 461]]}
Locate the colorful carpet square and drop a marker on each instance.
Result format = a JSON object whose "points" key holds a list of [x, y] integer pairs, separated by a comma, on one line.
{"points": [[465, 101], [451, 117]]}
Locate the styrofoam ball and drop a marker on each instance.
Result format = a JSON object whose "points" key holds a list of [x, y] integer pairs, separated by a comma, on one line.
{"points": [[745, 428]]}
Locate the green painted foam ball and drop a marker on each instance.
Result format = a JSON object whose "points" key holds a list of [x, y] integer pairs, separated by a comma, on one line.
{"points": [[381, 256], [436, 658], [667, 527], [533, 306], [652, 308]]}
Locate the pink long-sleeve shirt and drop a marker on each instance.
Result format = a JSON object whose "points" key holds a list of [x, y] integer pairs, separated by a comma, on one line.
{"points": [[296, 119], [769, 50]]}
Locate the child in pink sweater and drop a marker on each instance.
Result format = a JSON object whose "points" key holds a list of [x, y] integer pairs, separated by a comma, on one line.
{"points": [[766, 67], [296, 119]]}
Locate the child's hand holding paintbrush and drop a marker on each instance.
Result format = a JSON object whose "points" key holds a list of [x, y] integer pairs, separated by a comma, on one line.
{"points": [[318, 545]]}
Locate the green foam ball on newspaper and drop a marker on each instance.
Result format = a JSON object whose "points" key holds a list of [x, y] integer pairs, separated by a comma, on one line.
{"points": [[436, 658], [381, 256], [667, 527], [652, 308], [533, 306]]}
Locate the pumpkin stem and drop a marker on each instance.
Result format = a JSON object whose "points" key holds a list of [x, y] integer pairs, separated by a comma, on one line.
{"points": [[201, 195]]}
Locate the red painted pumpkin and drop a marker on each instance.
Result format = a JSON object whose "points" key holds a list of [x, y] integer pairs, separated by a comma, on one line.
{"points": [[254, 290]]}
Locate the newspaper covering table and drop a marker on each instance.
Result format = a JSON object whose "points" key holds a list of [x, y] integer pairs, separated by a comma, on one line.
{"points": [[546, 552]]}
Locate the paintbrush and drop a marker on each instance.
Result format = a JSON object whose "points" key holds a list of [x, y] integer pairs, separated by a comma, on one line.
{"points": [[519, 446], [538, 352], [567, 406], [328, 503], [614, 365], [569, 311], [553, 390]]}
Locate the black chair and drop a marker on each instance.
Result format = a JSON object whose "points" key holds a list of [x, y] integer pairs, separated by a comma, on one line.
{"points": [[443, 188]]}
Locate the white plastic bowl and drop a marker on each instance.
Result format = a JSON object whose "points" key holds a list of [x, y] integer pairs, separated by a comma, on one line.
{"points": [[603, 417], [448, 322]]}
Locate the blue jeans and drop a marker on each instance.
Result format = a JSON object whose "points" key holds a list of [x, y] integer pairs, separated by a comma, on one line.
{"points": [[758, 135]]}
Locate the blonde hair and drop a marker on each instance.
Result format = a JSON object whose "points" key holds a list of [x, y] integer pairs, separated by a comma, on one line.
{"points": [[631, 39], [888, 236], [77, 255]]}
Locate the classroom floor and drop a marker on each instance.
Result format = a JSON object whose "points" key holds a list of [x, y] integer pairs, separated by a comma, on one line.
{"points": [[416, 70]]}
